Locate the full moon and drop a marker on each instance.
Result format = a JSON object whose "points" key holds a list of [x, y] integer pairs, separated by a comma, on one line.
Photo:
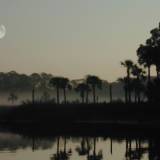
{"points": [[2, 31]]}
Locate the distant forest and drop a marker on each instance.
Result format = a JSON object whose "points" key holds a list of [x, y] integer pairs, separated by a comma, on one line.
{"points": [[15, 86], [13, 81]]}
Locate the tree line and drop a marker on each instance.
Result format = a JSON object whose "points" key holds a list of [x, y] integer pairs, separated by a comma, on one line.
{"points": [[138, 84], [141, 81], [47, 83]]}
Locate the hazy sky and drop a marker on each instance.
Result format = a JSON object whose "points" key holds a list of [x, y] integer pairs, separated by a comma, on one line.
{"points": [[74, 37]]}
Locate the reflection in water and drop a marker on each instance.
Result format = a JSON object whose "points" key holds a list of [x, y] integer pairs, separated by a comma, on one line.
{"points": [[82, 148], [12, 142], [94, 155], [62, 154]]}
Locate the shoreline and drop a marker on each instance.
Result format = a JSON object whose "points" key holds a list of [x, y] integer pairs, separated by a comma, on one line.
{"points": [[82, 116]]}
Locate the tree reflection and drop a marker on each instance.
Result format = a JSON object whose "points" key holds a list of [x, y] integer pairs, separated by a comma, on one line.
{"points": [[88, 148], [94, 155], [84, 147], [134, 153], [154, 149], [62, 154]]}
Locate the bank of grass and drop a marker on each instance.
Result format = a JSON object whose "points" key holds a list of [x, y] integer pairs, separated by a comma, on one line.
{"points": [[82, 119], [81, 113]]}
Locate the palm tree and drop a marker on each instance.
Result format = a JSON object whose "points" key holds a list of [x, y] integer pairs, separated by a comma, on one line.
{"points": [[56, 156], [88, 90], [84, 148], [128, 64], [65, 84], [145, 57], [82, 88], [124, 82], [95, 156], [135, 88], [94, 82], [155, 44], [56, 83], [35, 82], [60, 83], [110, 92], [12, 97], [152, 49], [139, 73]]}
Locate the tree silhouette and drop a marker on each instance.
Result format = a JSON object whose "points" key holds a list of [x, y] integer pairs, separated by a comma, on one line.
{"points": [[84, 147], [64, 84], [124, 82], [110, 92], [95, 156], [145, 57], [155, 44], [60, 83], [82, 88], [153, 91], [12, 97], [138, 83], [94, 82], [148, 54], [61, 154], [56, 83], [35, 82], [128, 64]]}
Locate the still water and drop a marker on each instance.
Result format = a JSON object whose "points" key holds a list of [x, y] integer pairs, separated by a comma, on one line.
{"points": [[18, 147]]}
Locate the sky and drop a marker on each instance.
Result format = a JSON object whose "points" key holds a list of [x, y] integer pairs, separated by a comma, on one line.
{"points": [[73, 38]]}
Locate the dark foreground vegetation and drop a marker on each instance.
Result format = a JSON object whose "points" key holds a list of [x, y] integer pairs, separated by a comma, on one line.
{"points": [[82, 119], [61, 115]]}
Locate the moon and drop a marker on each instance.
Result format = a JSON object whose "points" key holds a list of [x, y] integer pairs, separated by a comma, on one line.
{"points": [[2, 31]]}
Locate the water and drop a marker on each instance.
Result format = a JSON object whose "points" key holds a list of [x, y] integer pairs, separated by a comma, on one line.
{"points": [[18, 147]]}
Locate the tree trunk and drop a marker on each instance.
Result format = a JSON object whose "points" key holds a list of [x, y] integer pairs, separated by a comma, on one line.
{"points": [[57, 94], [58, 146], [33, 144], [33, 95], [94, 149], [82, 96], [149, 73], [64, 144], [129, 92], [88, 147], [126, 95], [111, 147], [135, 96], [87, 96], [128, 86], [64, 94], [94, 94], [126, 145], [138, 81], [110, 92]]}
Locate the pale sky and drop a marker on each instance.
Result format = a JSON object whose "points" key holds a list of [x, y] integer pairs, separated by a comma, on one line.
{"points": [[74, 38]]}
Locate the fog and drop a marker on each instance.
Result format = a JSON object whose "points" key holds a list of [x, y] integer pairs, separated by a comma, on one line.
{"points": [[72, 96]]}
